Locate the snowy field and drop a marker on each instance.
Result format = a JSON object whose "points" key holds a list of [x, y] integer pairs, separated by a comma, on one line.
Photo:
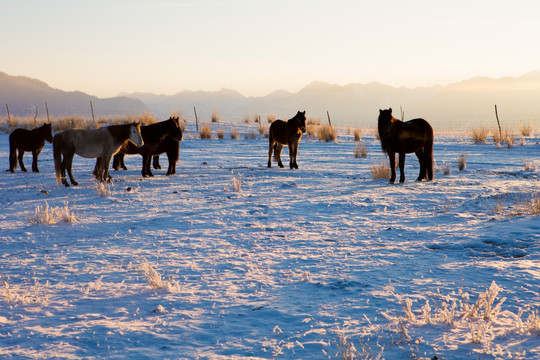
{"points": [[230, 260]]}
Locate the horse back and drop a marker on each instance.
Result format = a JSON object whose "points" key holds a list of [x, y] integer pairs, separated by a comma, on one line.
{"points": [[414, 135], [25, 140], [278, 132]]}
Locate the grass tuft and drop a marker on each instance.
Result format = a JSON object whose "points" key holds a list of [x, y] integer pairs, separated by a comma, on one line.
{"points": [[380, 171], [205, 132], [326, 133], [52, 215]]}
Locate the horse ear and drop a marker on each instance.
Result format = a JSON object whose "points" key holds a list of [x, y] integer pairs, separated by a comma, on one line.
{"points": [[380, 111], [304, 113], [390, 109]]}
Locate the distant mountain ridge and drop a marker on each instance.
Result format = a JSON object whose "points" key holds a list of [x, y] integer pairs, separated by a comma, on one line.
{"points": [[24, 94], [460, 105]]}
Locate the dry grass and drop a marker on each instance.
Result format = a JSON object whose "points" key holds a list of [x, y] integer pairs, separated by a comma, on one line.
{"points": [[505, 137], [237, 183], [313, 121], [380, 171], [357, 134], [250, 136], [312, 130], [215, 117], [263, 130], [527, 205], [77, 122], [271, 118], [234, 134], [154, 278], [526, 129], [446, 168], [52, 215], [220, 134], [479, 136], [530, 166], [205, 132], [29, 294], [360, 150], [462, 161], [326, 133]]}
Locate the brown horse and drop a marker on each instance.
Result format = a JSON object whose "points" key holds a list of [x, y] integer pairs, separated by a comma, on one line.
{"points": [[158, 138], [288, 133], [28, 140], [102, 144], [413, 136]]}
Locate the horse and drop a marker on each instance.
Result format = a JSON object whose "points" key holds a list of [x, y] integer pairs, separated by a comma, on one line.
{"points": [[102, 144], [413, 136], [28, 140], [288, 133], [158, 138]]}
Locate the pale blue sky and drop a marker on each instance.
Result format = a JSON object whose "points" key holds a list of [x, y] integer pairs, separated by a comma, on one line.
{"points": [[255, 47]]}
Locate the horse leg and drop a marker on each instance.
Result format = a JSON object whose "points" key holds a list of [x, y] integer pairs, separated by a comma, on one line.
{"points": [[155, 162], [277, 154], [292, 155], [422, 160], [20, 157], [296, 154], [117, 159], [104, 171], [173, 154], [146, 165], [66, 166], [270, 149], [35, 154], [428, 156], [392, 158], [401, 167]]}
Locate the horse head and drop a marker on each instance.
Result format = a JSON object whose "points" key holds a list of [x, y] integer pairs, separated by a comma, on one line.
{"points": [[135, 134], [175, 131], [385, 122], [301, 120], [47, 128]]}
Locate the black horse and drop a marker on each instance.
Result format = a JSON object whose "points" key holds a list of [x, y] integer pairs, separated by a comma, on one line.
{"points": [[28, 140], [169, 146], [286, 133], [413, 136], [158, 138]]}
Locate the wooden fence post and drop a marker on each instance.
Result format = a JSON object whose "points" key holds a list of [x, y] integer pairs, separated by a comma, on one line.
{"points": [[47, 108], [93, 118], [328, 115], [498, 123], [196, 118], [8, 114]]}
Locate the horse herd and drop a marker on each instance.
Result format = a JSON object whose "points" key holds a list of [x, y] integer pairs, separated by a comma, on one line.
{"points": [[164, 137]]}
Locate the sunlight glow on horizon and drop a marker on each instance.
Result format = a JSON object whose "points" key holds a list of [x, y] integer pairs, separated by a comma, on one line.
{"points": [[165, 47]]}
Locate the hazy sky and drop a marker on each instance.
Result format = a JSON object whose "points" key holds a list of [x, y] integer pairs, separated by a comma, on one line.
{"points": [[165, 46]]}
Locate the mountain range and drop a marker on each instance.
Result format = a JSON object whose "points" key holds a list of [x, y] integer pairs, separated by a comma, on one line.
{"points": [[458, 105]]}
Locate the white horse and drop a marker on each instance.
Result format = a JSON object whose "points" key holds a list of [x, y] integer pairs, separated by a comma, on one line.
{"points": [[101, 144]]}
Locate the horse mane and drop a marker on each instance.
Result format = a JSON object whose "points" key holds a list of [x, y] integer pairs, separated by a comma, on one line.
{"points": [[120, 132]]}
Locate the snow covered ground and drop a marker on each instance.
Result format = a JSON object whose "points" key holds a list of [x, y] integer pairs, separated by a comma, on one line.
{"points": [[231, 260]]}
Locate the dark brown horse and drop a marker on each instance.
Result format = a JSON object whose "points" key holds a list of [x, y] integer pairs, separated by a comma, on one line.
{"points": [[413, 136], [28, 140], [169, 146], [288, 133], [158, 138], [101, 144]]}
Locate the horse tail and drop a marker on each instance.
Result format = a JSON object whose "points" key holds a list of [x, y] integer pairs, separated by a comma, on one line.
{"points": [[12, 153], [57, 153]]}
